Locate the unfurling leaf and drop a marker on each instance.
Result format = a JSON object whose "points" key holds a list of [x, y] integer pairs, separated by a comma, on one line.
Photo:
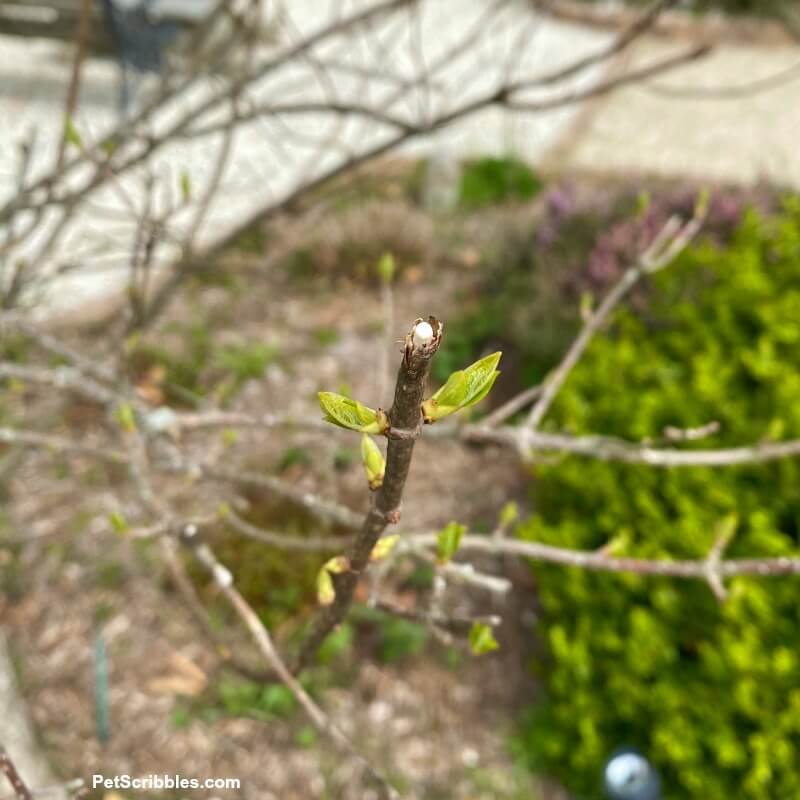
{"points": [[509, 514], [118, 522], [326, 594], [71, 135], [383, 547], [125, 417], [108, 146], [703, 202], [448, 540], [586, 305], [346, 413], [464, 388], [374, 465], [186, 187], [481, 639], [725, 529], [326, 591], [386, 268]]}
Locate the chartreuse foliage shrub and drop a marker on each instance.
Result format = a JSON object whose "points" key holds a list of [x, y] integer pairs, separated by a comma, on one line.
{"points": [[709, 692]]}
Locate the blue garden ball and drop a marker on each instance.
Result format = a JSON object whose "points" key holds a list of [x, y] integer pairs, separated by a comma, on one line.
{"points": [[628, 775]]}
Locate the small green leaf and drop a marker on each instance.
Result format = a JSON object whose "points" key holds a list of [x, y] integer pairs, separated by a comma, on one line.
{"points": [[346, 413], [387, 267], [464, 388], [509, 514], [326, 591], [383, 547], [454, 393], [108, 146], [118, 522], [374, 464], [186, 187], [480, 377], [481, 639], [725, 529], [230, 436], [336, 565], [71, 135], [448, 540], [586, 305], [703, 202], [125, 417]]}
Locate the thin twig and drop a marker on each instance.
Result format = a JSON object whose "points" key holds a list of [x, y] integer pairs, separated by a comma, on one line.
{"points": [[609, 448], [454, 624], [512, 406], [224, 581], [14, 436], [666, 246], [81, 45], [8, 768]]}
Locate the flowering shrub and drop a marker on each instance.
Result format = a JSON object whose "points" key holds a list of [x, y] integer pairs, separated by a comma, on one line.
{"points": [[540, 263]]}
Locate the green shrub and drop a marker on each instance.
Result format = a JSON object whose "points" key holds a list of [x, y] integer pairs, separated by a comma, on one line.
{"points": [[487, 181], [710, 692]]}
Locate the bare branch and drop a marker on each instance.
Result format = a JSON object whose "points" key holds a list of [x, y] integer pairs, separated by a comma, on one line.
{"points": [[608, 448], [284, 541], [512, 406], [81, 46], [455, 624], [224, 581], [321, 508], [59, 378], [14, 436], [600, 561], [14, 778], [670, 241]]}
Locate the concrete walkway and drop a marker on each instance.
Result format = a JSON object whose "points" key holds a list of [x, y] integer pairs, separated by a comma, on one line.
{"points": [[734, 116]]}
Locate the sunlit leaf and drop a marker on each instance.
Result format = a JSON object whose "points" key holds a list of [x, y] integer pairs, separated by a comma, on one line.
{"points": [[186, 187], [387, 267], [481, 639], [71, 135], [463, 388], [373, 461], [347, 413], [118, 522], [125, 417], [509, 514], [326, 591], [448, 541], [383, 547]]}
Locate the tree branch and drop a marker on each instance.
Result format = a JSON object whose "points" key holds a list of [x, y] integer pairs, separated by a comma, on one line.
{"points": [[224, 581], [14, 778], [405, 415], [671, 240]]}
